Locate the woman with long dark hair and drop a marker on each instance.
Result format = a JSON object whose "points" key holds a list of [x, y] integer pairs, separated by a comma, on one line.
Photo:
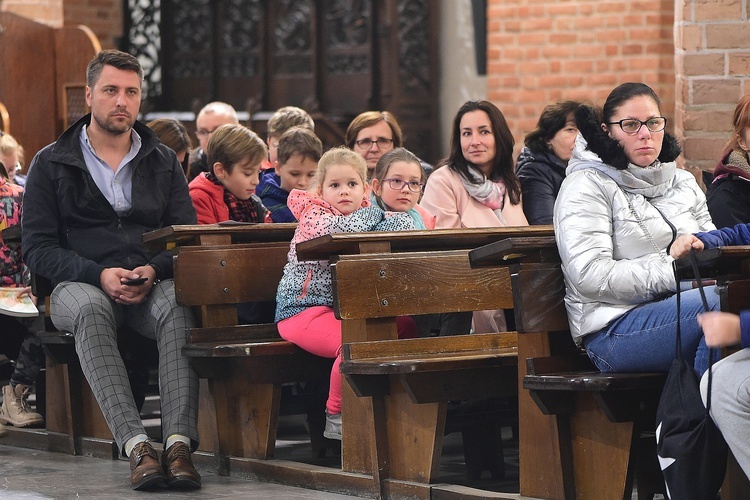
{"points": [[476, 186]]}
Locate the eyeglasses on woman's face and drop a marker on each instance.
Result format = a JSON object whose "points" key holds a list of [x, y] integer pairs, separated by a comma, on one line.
{"points": [[398, 185], [382, 143], [631, 126]]}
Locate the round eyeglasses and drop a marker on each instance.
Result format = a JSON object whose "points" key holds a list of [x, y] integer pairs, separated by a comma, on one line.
{"points": [[631, 126], [398, 185]]}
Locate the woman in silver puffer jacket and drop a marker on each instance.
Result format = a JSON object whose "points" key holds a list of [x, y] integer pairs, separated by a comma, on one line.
{"points": [[622, 204]]}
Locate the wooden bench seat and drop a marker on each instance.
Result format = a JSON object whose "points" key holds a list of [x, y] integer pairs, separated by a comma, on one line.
{"points": [[434, 369], [418, 377], [245, 366], [602, 423], [602, 418], [74, 421]]}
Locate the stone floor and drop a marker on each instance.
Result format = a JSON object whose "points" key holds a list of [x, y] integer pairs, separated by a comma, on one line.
{"points": [[28, 474], [31, 474]]}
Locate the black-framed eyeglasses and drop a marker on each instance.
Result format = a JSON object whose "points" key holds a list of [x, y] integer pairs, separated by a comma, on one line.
{"points": [[398, 185], [382, 143], [631, 126]]}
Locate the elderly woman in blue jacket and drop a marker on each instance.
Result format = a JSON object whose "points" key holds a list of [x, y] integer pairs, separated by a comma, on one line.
{"points": [[620, 207], [541, 165]]}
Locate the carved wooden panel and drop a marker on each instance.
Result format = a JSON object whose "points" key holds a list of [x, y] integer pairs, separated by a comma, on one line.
{"points": [[333, 57]]}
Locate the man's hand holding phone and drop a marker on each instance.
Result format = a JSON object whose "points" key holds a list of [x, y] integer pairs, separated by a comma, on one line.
{"points": [[128, 287], [135, 281]]}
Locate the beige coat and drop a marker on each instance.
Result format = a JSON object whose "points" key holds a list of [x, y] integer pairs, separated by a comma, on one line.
{"points": [[446, 197]]}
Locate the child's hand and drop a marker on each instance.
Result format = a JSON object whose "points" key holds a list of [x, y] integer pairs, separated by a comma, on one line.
{"points": [[720, 328], [682, 245], [27, 291]]}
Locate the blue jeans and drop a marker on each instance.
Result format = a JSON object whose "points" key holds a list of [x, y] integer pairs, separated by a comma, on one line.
{"points": [[643, 339]]}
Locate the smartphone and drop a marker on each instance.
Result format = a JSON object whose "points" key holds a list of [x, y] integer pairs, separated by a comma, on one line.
{"points": [[137, 281]]}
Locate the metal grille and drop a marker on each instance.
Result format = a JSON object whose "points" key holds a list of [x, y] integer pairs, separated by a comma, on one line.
{"points": [[144, 42]]}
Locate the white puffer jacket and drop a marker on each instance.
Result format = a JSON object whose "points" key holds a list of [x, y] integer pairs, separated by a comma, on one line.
{"points": [[612, 261]]}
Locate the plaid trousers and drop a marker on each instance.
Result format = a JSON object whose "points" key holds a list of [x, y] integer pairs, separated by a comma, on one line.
{"points": [[94, 318]]}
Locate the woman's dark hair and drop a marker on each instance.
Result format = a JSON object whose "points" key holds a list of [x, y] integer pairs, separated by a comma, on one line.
{"points": [[4, 171], [589, 122], [551, 121], [503, 166], [623, 93]]}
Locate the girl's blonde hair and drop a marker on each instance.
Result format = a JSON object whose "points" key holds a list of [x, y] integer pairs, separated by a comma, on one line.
{"points": [[340, 156], [231, 144], [8, 144]]}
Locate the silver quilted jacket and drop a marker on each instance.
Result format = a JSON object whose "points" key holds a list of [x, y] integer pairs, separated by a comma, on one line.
{"points": [[612, 235]]}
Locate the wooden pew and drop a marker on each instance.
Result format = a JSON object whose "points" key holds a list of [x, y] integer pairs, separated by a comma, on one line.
{"points": [[358, 448], [417, 377], [245, 365], [71, 412], [221, 311], [221, 317], [595, 418], [584, 421], [75, 423]]}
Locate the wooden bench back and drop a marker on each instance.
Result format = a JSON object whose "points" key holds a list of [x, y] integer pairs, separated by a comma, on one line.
{"points": [[387, 285], [229, 274]]}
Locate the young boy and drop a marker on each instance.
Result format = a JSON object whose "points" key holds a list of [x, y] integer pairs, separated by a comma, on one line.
{"points": [[281, 121], [299, 150], [227, 191]]}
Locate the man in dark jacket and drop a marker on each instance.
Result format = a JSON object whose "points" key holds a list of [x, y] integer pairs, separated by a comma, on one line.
{"points": [[90, 197]]}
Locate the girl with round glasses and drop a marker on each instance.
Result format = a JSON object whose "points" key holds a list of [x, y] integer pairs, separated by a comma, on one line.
{"points": [[397, 183], [621, 206]]}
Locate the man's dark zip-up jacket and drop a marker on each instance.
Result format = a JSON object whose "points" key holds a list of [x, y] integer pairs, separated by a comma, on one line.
{"points": [[70, 230]]}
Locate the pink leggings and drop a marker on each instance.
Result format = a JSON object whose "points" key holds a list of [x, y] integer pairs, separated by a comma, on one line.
{"points": [[317, 331]]}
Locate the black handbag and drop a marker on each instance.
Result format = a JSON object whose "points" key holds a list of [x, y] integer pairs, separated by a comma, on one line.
{"points": [[691, 450]]}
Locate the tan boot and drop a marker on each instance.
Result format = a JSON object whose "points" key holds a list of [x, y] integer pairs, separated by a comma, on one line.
{"points": [[16, 410]]}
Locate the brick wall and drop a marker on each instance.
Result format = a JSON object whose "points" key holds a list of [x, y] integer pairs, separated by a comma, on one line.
{"points": [[47, 12], [712, 54], [542, 51], [694, 53], [103, 17]]}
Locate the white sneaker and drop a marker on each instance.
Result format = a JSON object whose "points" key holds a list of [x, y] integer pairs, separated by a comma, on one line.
{"points": [[333, 426]]}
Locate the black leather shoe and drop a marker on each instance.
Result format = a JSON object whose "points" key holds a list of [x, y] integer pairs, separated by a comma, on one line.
{"points": [[179, 468], [146, 472]]}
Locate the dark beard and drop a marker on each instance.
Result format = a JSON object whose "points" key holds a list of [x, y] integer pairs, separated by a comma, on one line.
{"points": [[110, 127]]}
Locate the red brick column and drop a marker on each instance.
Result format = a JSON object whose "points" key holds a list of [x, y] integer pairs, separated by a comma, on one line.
{"points": [[712, 61]]}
